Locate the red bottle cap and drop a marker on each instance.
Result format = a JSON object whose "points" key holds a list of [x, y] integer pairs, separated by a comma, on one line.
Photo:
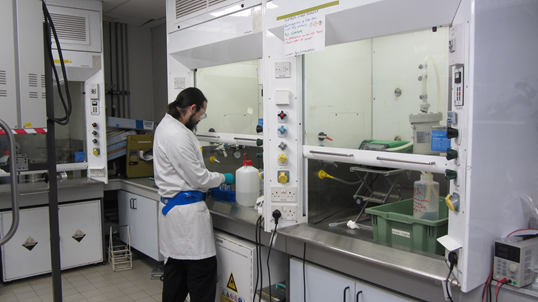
{"points": [[246, 161]]}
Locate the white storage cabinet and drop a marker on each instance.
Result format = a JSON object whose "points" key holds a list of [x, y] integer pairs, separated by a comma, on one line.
{"points": [[237, 267], [28, 252], [325, 285], [141, 215]]}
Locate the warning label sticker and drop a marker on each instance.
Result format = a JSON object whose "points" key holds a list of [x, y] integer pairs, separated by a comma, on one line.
{"points": [[231, 283]]}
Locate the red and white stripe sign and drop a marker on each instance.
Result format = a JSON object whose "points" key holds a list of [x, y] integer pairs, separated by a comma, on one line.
{"points": [[26, 131]]}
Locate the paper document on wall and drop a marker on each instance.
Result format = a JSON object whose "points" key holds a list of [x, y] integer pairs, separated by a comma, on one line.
{"points": [[304, 33]]}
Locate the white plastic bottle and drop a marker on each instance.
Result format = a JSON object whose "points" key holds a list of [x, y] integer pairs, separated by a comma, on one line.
{"points": [[426, 198], [247, 184]]}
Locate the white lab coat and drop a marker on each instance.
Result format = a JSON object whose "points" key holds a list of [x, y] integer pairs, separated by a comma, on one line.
{"points": [[186, 232]]}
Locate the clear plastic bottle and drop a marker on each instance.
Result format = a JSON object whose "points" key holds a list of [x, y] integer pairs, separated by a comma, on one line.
{"points": [[426, 198], [247, 184]]}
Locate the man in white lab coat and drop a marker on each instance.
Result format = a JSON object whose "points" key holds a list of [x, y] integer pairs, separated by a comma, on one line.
{"points": [[185, 228]]}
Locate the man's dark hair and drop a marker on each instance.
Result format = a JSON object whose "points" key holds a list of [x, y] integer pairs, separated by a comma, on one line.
{"points": [[186, 98]]}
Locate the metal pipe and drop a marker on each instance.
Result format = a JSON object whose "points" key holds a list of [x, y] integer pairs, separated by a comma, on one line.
{"points": [[122, 68], [245, 139], [330, 153], [111, 70], [51, 163], [117, 69], [14, 189], [429, 163], [17, 65], [128, 88], [208, 136]]}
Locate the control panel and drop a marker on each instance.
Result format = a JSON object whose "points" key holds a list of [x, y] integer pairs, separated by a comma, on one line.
{"points": [[513, 259], [457, 85], [96, 143]]}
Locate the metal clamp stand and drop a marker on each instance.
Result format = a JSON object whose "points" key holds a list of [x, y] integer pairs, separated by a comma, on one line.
{"points": [[382, 197]]}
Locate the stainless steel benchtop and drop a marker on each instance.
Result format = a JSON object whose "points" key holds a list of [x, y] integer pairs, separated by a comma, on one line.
{"points": [[361, 247], [33, 194], [350, 252]]}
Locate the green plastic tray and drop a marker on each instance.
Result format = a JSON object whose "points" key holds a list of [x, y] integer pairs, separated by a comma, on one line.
{"points": [[394, 224]]}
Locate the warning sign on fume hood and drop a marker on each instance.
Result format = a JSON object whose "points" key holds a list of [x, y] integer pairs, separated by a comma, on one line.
{"points": [[304, 33]]}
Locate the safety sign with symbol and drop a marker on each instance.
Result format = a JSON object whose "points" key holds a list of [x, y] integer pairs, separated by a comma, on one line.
{"points": [[231, 283]]}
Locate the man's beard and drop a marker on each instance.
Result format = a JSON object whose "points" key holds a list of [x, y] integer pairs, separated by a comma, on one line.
{"points": [[191, 123]]}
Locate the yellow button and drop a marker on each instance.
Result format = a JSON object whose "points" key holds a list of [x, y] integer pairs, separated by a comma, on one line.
{"points": [[96, 151], [282, 158], [282, 178]]}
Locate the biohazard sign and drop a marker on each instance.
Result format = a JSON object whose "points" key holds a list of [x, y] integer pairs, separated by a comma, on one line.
{"points": [[231, 283]]}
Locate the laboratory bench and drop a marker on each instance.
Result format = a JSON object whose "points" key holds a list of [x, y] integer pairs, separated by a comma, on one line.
{"points": [[342, 253], [349, 255], [352, 253]]}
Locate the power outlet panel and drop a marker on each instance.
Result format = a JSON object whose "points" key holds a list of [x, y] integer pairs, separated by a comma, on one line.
{"points": [[284, 194], [289, 212], [97, 172]]}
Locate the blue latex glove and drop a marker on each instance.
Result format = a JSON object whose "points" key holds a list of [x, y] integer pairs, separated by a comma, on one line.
{"points": [[230, 179]]}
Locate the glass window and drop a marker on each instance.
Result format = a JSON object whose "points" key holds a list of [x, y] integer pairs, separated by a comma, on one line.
{"points": [[234, 97], [368, 89]]}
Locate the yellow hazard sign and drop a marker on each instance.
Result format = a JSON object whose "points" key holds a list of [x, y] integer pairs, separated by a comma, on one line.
{"points": [[231, 283]]}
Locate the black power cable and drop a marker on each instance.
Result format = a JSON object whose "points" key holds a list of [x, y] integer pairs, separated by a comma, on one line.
{"points": [[499, 290], [257, 258], [453, 259], [276, 216], [260, 258], [304, 272], [67, 108]]}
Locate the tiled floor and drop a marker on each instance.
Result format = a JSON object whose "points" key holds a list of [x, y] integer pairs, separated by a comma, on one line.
{"points": [[94, 283]]}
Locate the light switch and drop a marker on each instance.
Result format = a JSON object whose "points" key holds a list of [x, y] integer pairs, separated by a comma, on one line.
{"points": [[282, 69]]}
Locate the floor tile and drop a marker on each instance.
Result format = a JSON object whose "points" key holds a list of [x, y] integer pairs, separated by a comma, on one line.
{"points": [[114, 294], [98, 298], [89, 284], [26, 295], [108, 289], [131, 290], [138, 295], [91, 293]]}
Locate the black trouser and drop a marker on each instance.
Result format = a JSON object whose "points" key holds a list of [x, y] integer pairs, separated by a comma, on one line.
{"points": [[195, 277]]}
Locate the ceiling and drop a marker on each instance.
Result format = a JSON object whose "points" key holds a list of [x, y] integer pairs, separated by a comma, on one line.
{"points": [[145, 13]]}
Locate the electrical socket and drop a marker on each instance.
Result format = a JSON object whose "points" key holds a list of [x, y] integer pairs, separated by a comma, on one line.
{"points": [[283, 194], [289, 212], [97, 172]]}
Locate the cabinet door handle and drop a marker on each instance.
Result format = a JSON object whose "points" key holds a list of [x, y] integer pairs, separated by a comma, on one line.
{"points": [[131, 203], [345, 290], [134, 204], [358, 294]]}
